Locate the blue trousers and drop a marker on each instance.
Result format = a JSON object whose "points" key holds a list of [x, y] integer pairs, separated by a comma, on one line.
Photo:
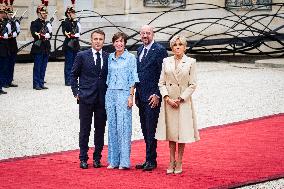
{"points": [[119, 118], [40, 64], [11, 66], [86, 113], [69, 61], [149, 119], [4, 61]]}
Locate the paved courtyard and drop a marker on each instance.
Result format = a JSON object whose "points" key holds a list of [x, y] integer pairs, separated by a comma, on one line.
{"points": [[37, 122]]}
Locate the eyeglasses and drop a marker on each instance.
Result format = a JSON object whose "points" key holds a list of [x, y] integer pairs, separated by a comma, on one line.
{"points": [[147, 33]]}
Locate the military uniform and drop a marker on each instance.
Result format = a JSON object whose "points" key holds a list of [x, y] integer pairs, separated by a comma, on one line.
{"points": [[5, 30], [41, 31], [13, 49], [71, 30]]}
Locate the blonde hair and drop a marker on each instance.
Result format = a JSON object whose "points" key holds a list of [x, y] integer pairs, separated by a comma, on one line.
{"points": [[175, 38]]}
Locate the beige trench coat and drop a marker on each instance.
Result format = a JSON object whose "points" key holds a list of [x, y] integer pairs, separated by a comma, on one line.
{"points": [[178, 125]]}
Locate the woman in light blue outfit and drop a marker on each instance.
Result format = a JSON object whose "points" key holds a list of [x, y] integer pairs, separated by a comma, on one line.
{"points": [[122, 76]]}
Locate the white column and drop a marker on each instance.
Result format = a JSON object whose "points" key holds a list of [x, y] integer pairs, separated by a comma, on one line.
{"points": [[126, 6]]}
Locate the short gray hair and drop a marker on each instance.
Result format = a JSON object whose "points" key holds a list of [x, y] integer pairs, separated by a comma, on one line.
{"points": [[175, 38]]}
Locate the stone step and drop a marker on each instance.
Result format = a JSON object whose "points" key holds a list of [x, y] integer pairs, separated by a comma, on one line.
{"points": [[271, 63]]}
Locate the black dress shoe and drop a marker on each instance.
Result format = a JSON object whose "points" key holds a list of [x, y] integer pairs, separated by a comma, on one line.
{"points": [[2, 92], [149, 166], [13, 85], [84, 165], [140, 166], [97, 164], [44, 87], [37, 88]]}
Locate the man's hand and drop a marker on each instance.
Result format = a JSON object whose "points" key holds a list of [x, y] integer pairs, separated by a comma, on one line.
{"points": [[5, 36], [154, 101], [77, 35], [77, 97], [130, 101], [47, 36], [49, 27]]}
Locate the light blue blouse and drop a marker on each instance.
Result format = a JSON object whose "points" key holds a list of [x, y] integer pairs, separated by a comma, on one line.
{"points": [[122, 71]]}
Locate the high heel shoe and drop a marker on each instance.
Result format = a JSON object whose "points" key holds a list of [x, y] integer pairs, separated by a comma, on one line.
{"points": [[111, 167], [171, 168], [178, 168]]}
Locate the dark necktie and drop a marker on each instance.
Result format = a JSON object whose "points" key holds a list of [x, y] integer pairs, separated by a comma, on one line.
{"points": [[144, 55], [98, 61]]}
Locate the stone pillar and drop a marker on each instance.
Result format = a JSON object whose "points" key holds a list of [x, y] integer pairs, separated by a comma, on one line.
{"points": [[60, 9], [127, 6]]}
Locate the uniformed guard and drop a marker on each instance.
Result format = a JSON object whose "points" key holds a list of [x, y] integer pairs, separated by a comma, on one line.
{"points": [[13, 47], [5, 30], [41, 31], [71, 29]]}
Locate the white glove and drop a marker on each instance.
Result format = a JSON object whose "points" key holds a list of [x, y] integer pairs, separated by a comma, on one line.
{"points": [[15, 34], [18, 27], [47, 36], [49, 27], [77, 35], [8, 26], [5, 36], [79, 27]]}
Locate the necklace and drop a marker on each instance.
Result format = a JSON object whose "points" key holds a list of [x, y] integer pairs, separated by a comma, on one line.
{"points": [[177, 61]]}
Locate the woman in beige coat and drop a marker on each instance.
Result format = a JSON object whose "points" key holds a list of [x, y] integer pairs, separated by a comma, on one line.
{"points": [[177, 121]]}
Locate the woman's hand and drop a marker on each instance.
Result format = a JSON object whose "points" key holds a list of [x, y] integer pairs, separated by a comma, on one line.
{"points": [[172, 103], [130, 101]]}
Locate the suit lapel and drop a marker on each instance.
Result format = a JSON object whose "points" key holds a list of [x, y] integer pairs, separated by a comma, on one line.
{"points": [[182, 67], [139, 65], [172, 68], [151, 51], [105, 60], [91, 57], [139, 51]]}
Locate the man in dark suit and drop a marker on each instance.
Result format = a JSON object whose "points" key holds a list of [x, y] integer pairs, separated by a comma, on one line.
{"points": [[91, 67], [148, 98]]}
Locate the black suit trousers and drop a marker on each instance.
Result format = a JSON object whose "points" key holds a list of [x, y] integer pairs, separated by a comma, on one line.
{"points": [[86, 113], [149, 119]]}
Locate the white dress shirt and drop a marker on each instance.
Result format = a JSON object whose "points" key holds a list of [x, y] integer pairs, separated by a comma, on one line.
{"points": [[95, 56], [148, 47]]}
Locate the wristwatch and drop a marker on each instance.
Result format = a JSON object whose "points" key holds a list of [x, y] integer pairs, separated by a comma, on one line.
{"points": [[181, 99]]}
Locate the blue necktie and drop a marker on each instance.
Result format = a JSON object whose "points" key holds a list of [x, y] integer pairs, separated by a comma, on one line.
{"points": [[144, 55], [98, 61]]}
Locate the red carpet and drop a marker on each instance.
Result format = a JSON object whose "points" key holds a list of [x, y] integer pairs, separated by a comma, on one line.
{"points": [[226, 156]]}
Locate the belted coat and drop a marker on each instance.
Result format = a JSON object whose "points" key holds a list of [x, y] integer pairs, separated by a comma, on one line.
{"points": [[178, 125]]}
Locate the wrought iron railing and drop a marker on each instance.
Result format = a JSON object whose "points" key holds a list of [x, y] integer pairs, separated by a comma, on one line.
{"points": [[249, 4], [229, 33], [164, 3]]}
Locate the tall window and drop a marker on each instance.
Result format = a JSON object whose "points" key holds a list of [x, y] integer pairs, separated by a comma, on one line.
{"points": [[248, 4], [164, 3]]}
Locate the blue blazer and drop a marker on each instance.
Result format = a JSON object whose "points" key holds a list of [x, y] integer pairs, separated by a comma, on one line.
{"points": [[92, 82], [149, 71]]}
